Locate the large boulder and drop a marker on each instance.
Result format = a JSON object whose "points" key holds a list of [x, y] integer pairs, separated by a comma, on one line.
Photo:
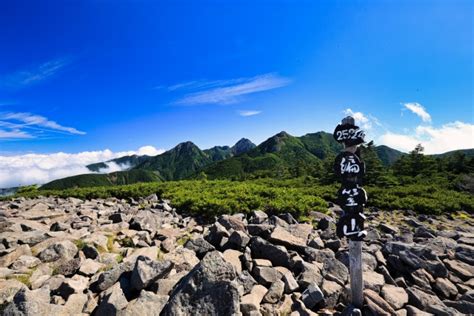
{"points": [[209, 289]]}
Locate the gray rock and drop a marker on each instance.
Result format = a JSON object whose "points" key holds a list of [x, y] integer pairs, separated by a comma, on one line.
{"points": [[310, 274], [108, 278], [147, 304], [377, 304], [262, 230], [258, 217], [7, 259], [275, 292], [332, 291], [238, 239], [312, 296], [422, 278], [216, 234], [462, 306], [465, 253], [413, 222], [373, 280], [246, 280], [75, 304], [25, 262], [90, 267], [147, 271], [26, 302], [445, 288], [209, 289], [165, 286], [250, 303], [397, 297], [424, 232], [316, 243], [30, 238], [262, 249], [200, 246], [389, 229], [231, 223], [290, 283], [428, 302], [413, 311], [281, 236], [112, 301], [276, 221], [266, 275], [62, 250], [70, 267], [463, 270], [146, 220]]}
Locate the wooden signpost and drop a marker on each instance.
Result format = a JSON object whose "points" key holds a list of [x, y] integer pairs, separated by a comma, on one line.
{"points": [[350, 169]]}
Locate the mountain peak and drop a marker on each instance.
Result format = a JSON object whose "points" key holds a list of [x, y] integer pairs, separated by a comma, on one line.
{"points": [[242, 146], [185, 146], [282, 134]]}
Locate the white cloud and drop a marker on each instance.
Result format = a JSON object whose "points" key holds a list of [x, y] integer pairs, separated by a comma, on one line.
{"points": [[419, 110], [230, 91], [22, 120], [35, 75], [149, 151], [249, 113], [205, 84], [14, 134], [451, 136], [361, 119], [41, 168]]}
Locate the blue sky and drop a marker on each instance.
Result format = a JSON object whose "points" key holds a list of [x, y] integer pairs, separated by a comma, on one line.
{"points": [[83, 76]]}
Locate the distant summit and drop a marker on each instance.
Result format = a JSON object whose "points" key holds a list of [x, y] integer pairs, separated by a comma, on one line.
{"points": [[242, 146], [280, 156]]}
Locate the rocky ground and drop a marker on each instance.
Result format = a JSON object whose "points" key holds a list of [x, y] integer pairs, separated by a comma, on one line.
{"points": [[108, 257]]}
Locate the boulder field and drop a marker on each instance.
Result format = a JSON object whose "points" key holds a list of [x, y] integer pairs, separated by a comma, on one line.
{"points": [[125, 257]]}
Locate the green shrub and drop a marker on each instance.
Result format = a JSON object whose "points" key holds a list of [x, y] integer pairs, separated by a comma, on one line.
{"points": [[297, 196]]}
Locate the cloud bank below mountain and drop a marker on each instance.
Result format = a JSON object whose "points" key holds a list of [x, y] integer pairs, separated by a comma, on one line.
{"points": [[30, 169]]}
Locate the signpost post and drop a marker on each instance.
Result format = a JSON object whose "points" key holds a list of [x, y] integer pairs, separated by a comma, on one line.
{"points": [[350, 169]]}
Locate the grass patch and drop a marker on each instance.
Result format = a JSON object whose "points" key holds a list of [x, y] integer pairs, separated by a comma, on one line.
{"points": [[110, 243], [126, 242], [23, 278], [160, 255], [462, 216], [183, 239], [80, 244], [119, 258]]}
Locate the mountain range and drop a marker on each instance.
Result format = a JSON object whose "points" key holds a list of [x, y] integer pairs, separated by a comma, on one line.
{"points": [[281, 155]]}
